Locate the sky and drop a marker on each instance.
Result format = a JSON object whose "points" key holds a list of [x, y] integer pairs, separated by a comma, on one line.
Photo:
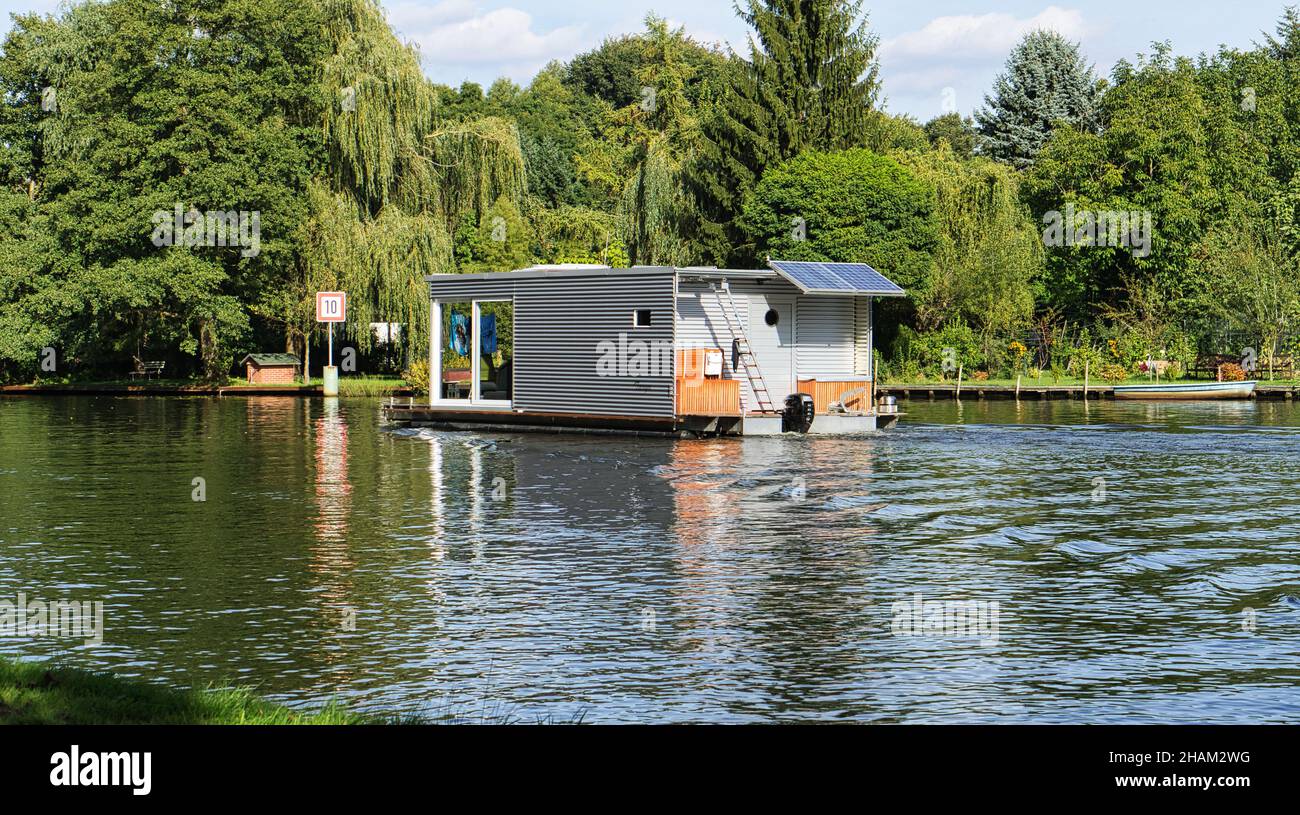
{"points": [[935, 55]]}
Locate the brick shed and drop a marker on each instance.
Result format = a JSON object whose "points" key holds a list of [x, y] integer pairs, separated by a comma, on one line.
{"points": [[272, 369]]}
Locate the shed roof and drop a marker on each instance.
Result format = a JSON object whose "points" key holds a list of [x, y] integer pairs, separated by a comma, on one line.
{"points": [[271, 360]]}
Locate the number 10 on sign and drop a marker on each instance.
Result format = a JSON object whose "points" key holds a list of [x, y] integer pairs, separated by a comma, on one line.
{"points": [[331, 307]]}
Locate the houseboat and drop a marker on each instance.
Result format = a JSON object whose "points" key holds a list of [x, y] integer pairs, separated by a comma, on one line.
{"points": [[659, 350]]}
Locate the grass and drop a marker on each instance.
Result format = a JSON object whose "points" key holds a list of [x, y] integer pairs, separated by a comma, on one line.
{"points": [[1047, 381], [349, 384], [38, 693], [34, 693], [353, 385]]}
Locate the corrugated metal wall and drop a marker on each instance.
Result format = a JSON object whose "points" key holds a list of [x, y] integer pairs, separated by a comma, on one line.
{"points": [[560, 323]]}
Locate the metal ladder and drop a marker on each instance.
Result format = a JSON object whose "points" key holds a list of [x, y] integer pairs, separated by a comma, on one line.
{"points": [[744, 353]]}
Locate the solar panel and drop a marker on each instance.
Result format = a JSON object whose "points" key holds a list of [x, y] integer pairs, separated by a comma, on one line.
{"points": [[864, 278], [809, 275], [848, 278]]}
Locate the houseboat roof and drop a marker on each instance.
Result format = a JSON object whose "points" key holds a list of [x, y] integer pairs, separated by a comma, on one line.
{"points": [[812, 278], [553, 270]]}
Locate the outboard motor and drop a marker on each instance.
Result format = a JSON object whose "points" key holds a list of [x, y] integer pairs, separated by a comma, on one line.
{"points": [[798, 414]]}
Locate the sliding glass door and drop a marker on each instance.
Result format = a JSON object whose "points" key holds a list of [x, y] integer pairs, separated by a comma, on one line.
{"points": [[473, 363]]}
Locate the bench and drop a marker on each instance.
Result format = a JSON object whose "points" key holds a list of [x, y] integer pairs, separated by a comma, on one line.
{"points": [[1283, 367], [1208, 367], [148, 369]]}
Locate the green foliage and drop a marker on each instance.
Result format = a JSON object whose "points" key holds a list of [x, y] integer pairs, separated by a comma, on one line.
{"points": [[853, 206], [810, 82], [416, 375], [1113, 373], [1141, 163], [1046, 83], [1253, 284], [650, 149], [205, 105], [988, 251], [959, 133], [497, 242]]}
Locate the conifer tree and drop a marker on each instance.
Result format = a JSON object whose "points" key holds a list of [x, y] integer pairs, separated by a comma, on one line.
{"points": [[1046, 82], [811, 82]]}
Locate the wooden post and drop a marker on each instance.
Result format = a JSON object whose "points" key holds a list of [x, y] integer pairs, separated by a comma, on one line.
{"points": [[1017, 387], [959, 367], [1085, 380]]}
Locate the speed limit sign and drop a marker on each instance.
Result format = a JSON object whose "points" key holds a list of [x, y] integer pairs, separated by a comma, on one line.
{"points": [[331, 306]]}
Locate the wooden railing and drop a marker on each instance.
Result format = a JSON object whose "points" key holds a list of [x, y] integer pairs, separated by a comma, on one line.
{"points": [[698, 396], [824, 392], [708, 397]]}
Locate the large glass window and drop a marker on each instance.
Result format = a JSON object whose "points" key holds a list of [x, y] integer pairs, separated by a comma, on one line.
{"points": [[476, 351]]}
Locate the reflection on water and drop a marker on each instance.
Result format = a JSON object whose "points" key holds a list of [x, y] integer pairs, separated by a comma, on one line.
{"points": [[1144, 557]]}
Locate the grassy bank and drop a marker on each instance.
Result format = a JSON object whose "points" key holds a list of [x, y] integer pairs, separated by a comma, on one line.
{"points": [[33, 693], [349, 385], [1066, 382]]}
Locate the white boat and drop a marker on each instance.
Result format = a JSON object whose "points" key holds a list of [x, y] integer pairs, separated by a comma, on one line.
{"points": [[1188, 390]]}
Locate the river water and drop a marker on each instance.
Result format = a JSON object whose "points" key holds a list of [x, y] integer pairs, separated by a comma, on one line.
{"points": [[1113, 562]]}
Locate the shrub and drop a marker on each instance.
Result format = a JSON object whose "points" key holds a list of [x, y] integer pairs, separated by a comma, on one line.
{"points": [[1231, 372], [853, 205], [980, 376], [1113, 373], [417, 376]]}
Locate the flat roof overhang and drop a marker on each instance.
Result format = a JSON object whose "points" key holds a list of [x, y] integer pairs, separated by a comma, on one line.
{"points": [[558, 272]]}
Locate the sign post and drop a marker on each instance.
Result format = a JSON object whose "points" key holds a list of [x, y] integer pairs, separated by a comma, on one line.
{"points": [[331, 308]]}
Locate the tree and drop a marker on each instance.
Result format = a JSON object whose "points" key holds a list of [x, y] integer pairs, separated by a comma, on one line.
{"points": [[952, 128], [849, 206], [810, 82], [203, 106], [1046, 82], [1253, 284], [988, 254], [1147, 167]]}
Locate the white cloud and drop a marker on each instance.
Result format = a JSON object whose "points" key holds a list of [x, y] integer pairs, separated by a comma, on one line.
{"points": [[461, 33], [973, 36], [416, 16], [953, 60]]}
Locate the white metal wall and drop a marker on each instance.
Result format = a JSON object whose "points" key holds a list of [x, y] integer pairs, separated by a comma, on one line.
{"points": [[827, 330], [864, 339], [824, 337]]}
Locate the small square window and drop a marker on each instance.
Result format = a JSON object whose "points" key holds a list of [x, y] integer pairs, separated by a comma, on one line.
{"points": [[641, 318]]}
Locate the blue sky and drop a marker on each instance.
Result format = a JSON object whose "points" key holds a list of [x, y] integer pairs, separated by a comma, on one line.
{"points": [[931, 50]]}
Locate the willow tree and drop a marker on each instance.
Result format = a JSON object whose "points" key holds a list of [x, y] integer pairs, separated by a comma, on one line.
{"points": [[399, 180], [988, 253], [656, 210]]}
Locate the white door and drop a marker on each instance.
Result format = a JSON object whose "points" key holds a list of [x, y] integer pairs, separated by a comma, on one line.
{"points": [[771, 335]]}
